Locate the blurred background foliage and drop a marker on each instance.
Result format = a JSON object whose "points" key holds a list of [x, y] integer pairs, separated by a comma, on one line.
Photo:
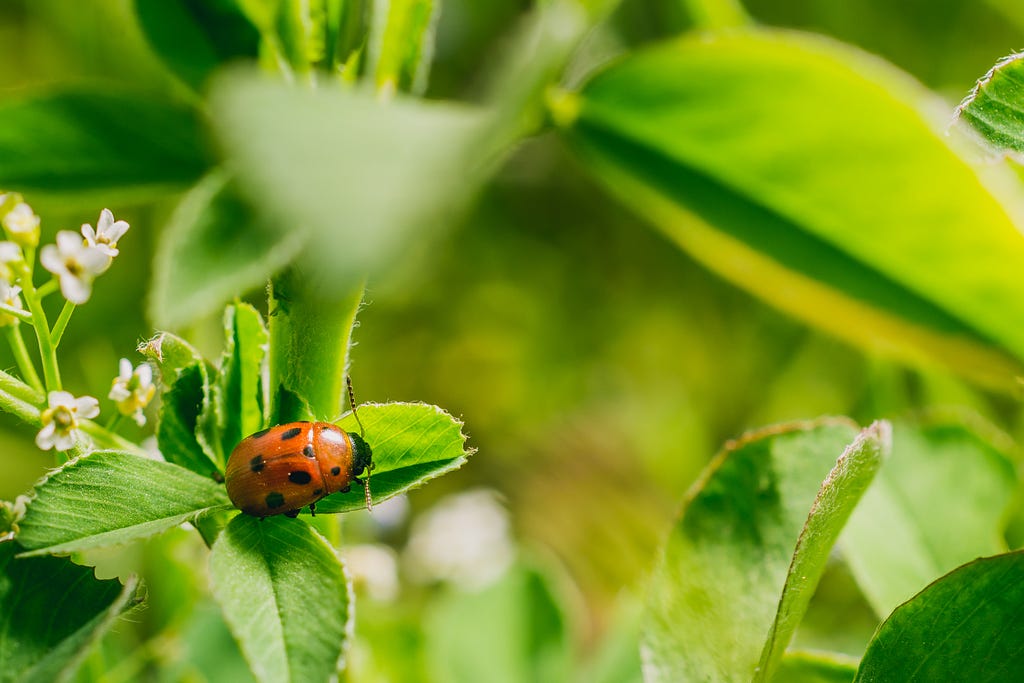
{"points": [[596, 366]]}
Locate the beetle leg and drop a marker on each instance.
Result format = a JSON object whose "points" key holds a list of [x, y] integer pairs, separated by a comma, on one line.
{"points": [[312, 509], [292, 513]]}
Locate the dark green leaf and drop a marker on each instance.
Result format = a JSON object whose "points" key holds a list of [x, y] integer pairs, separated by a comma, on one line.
{"points": [[194, 37], [110, 498], [744, 148], [118, 143], [715, 596], [816, 667], [939, 502], [51, 611], [285, 596], [995, 107], [191, 276], [241, 374], [514, 630], [412, 443], [176, 432], [966, 626]]}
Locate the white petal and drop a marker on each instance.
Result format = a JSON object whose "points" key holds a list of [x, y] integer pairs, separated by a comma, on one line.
{"points": [[87, 407], [119, 392], [51, 260], [9, 251], [44, 439], [64, 440], [88, 233], [140, 418], [116, 231], [61, 399], [106, 219], [69, 243], [145, 373], [75, 290], [124, 369], [94, 260]]}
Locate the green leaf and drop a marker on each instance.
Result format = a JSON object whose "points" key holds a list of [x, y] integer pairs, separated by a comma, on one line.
{"points": [[192, 276], [939, 502], [51, 611], [285, 597], [241, 374], [966, 626], [99, 141], [514, 630], [176, 432], [816, 667], [110, 498], [368, 179], [995, 107], [729, 559], [402, 43], [839, 494], [194, 37], [412, 443], [815, 177], [171, 354]]}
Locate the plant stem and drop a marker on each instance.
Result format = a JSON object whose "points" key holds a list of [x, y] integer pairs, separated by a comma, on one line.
{"points": [[105, 439], [717, 14], [26, 412], [113, 422], [23, 316], [47, 351], [15, 387], [47, 288], [61, 324], [25, 364]]}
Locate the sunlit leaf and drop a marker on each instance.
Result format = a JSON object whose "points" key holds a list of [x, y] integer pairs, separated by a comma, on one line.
{"points": [[285, 596], [995, 107], [817, 178], [412, 443], [939, 502], [51, 611], [966, 626], [110, 498]]}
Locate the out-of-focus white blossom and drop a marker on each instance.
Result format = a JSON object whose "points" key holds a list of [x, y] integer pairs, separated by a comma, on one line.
{"points": [[108, 231], [22, 225], [75, 264], [60, 419], [133, 389], [373, 568], [9, 295]]}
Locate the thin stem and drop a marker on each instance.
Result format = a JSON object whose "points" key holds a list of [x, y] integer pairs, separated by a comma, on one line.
{"points": [[17, 388], [113, 422], [61, 324], [47, 288], [25, 364], [47, 351], [26, 412], [105, 439], [717, 14], [22, 315]]}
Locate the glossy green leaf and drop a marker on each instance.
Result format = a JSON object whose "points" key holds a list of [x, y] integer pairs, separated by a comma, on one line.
{"points": [[816, 667], [995, 107], [367, 178], [966, 626], [513, 630], [241, 374], [715, 596], [51, 611], [194, 37], [402, 43], [817, 178], [180, 408], [99, 141], [412, 443], [939, 502], [285, 596], [191, 277], [110, 498]]}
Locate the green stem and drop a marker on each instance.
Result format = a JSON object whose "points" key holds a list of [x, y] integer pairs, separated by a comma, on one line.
{"points": [[113, 422], [717, 14], [47, 288], [26, 412], [105, 439], [25, 364], [22, 315], [61, 324], [15, 387], [47, 351]]}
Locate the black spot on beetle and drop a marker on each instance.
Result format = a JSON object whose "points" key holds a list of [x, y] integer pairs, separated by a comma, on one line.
{"points": [[290, 433], [300, 477], [292, 513], [335, 470], [308, 451], [257, 464], [262, 432], [318, 492], [275, 500]]}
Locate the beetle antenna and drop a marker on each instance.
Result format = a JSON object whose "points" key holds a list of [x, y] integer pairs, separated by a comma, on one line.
{"points": [[352, 404], [366, 489]]}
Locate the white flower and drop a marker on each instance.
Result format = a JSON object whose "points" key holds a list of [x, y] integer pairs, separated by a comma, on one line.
{"points": [[75, 264], [108, 231], [22, 225], [10, 255], [133, 390], [60, 419], [10, 296]]}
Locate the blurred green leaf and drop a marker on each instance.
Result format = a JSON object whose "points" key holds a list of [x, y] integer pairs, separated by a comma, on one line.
{"points": [[215, 248], [839, 494], [995, 107], [194, 37], [816, 667], [402, 43], [180, 408], [814, 176], [285, 596], [241, 374], [514, 630], [966, 626], [51, 611], [715, 595], [110, 498], [368, 179], [939, 502], [412, 443], [120, 143]]}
